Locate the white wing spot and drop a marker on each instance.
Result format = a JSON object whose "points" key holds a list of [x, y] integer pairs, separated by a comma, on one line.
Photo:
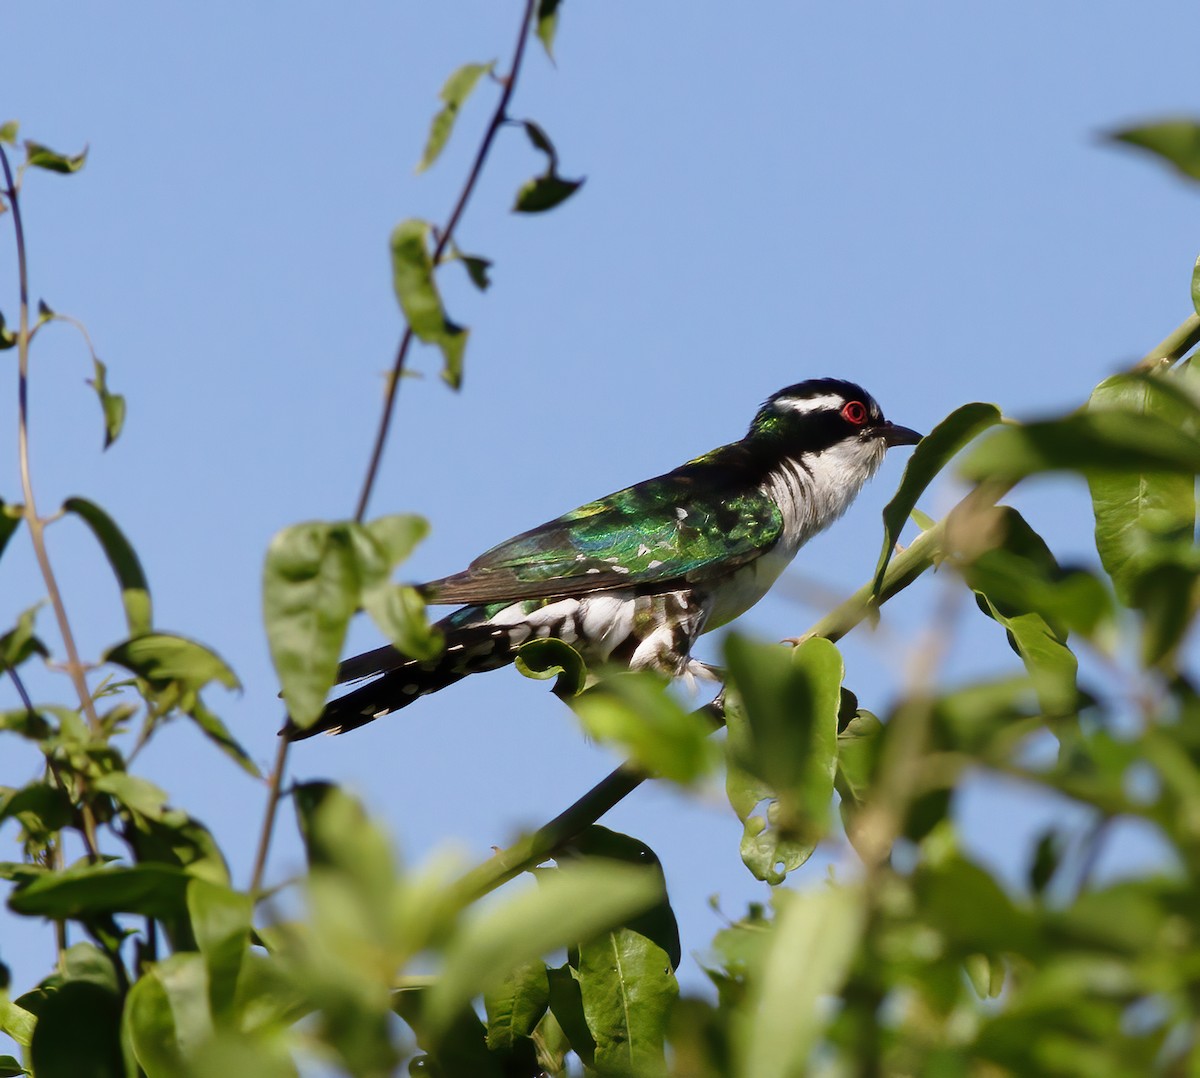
{"points": [[681, 513], [643, 550]]}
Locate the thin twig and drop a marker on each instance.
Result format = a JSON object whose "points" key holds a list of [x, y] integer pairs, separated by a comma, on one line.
{"points": [[444, 237], [36, 525], [1173, 346], [499, 116]]}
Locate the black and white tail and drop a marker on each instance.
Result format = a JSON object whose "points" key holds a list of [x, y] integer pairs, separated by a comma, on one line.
{"points": [[396, 680]]}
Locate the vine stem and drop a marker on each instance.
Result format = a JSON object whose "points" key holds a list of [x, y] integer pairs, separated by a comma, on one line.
{"points": [[35, 523], [499, 116]]}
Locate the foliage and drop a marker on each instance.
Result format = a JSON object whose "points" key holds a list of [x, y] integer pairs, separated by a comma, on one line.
{"points": [[912, 959]]}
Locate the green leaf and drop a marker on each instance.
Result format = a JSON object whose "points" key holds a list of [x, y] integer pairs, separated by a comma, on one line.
{"points": [[1133, 506], [15, 1021], [515, 1006], [552, 658], [218, 733], [547, 24], [135, 592], [412, 279], [113, 404], [10, 521], [628, 993], [19, 644], [566, 1008], [8, 339], [221, 924], [8, 132], [1087, 442], [163, 659], [167, 1016], [813, 942], [311, 587], [83, 891], [9, 1067], [1196, 286], [454, 95], [398, 534], [782, 748], [399, 612], [39, 806], [928, 458], [78, 1034], [459, 1049], [1175, 141], [39, 156], [134, 792], [571, 904], [635, 712]]}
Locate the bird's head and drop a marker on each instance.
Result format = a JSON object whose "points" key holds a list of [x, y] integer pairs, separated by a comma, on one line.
{"points": [[815, 415]]}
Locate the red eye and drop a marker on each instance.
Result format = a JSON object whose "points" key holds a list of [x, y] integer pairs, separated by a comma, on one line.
{"points": [[855, 412]]}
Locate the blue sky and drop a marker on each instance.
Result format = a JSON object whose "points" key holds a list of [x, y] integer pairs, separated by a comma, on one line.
{"points": [[913, 196]]}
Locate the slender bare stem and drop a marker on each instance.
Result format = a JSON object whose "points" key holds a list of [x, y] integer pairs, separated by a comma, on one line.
{"points": [[35, 523], [1173, 346], [499, 116]]}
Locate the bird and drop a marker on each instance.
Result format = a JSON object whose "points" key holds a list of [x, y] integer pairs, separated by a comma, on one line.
{"points": [[631, 580]]}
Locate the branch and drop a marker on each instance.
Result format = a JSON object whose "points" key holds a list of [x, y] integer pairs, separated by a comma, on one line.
{"points": [[499, 116], [36, 525]]}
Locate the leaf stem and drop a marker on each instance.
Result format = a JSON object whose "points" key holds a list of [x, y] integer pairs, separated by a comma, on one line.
{"points": [[36, 525], [499, 116]]}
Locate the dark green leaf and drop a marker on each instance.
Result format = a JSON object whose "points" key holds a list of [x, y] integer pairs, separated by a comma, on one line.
{"points": [[459, 1049], [477, 269], [635, 712], [40, 806], [8, 339], [135, 592], [9, 1067], [1175, 141], [179, 840], [658, 923], [86, 890], [163, 659], [552, 658], [78, 1034], [572, 904], [167, 1015], [1087, 442], [547, 24], [10, 519], [782, 749], [515, 1006], [929, 458], [1132, 506], [412, 279], [113, 404], [972, 911], [544, 193], [454, 95], [40, 156]]}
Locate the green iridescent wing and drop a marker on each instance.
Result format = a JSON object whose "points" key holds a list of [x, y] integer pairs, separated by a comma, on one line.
{"points": [[693, 523]]}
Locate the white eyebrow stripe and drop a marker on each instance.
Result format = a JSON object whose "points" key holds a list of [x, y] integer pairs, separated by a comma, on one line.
{"points": [[804, 405]]}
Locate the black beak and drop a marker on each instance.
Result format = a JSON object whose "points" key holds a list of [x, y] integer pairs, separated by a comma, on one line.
{"points": [[893, 434]]}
